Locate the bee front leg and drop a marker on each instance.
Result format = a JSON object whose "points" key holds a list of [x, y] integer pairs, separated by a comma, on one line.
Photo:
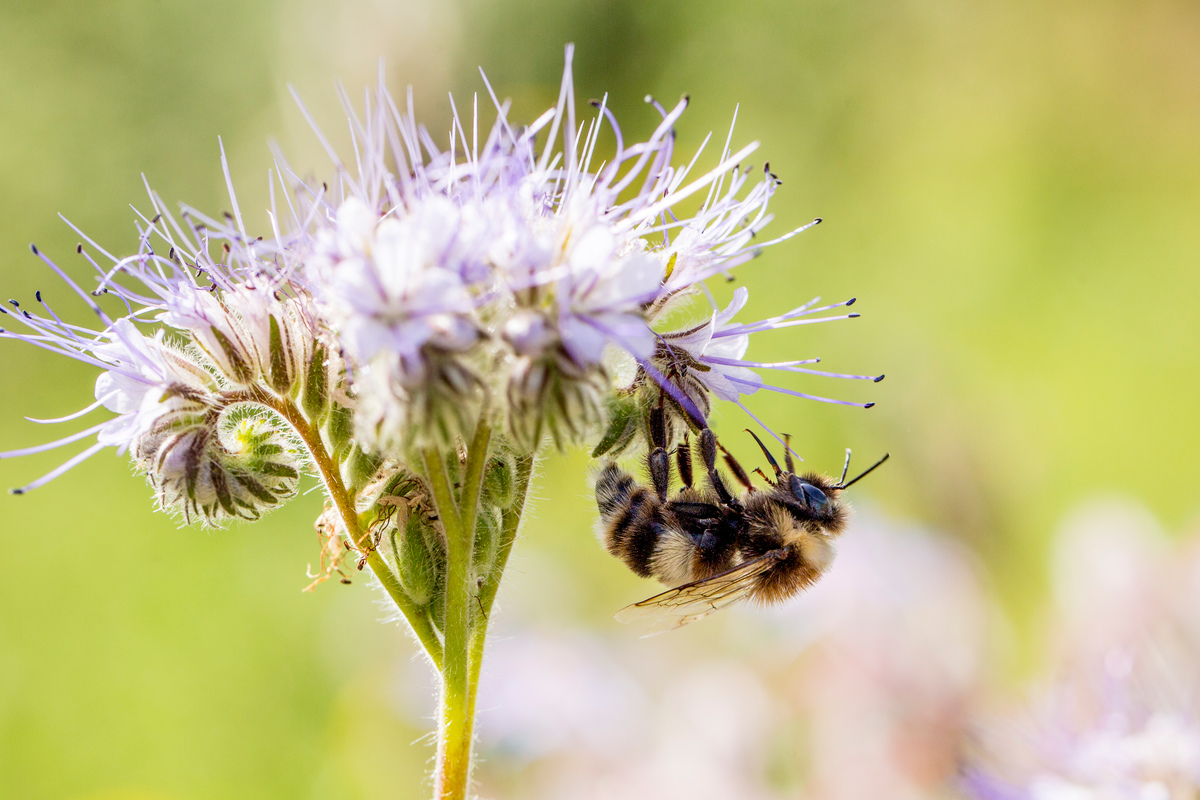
{"points": [[683, 461], [708, 452], [657, 460]]}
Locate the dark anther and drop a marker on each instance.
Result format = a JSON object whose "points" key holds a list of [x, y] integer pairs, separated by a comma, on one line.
{"points": [[877, 380], [16, 491], [869, 405], [157, 217], [33, 247], [818, 220], [38, 295], [79, 248], [851, 301], [855, 315], [15, 304]]}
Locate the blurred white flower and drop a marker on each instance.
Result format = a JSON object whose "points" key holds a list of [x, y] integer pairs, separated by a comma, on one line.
{"points": [[1122, 719]]}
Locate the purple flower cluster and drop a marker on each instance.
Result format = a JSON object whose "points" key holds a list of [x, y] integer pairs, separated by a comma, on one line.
{"points": [[526, 273]]}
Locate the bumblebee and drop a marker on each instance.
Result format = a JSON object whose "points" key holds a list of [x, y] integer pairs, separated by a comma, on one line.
{"points": [[766, 545]]}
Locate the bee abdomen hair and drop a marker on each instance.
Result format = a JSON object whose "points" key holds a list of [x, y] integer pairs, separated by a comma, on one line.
{"points": [[674, 553], [633, 530], [613, 489]]}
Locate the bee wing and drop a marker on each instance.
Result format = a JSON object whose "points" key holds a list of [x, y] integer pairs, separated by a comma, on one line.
{"points": [[677, 607]]}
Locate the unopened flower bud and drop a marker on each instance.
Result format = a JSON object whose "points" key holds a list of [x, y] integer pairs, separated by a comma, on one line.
{"points": [[220, 467], [416, 566], [315, 395], [624, 416], [499, 481], [359, 467], [487, 540]]}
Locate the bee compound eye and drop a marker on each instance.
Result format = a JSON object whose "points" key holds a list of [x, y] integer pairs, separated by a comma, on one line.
{"points": [[814, 496], [797, 486]]}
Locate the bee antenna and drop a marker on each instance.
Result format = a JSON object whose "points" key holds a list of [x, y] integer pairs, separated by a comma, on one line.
{"points": [[864, 474], [787, 453], [766, 452], [845, 467]]}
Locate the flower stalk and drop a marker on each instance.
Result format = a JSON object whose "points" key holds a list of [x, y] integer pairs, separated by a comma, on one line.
{"points": [[456, 715], [335, 490]]}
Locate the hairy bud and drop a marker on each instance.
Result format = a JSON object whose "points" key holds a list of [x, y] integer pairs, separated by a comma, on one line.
{"points": [[231, 463], [499, 481]]}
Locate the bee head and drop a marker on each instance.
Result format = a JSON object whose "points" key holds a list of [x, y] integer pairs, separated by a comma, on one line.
{"points": [[807, 493]]}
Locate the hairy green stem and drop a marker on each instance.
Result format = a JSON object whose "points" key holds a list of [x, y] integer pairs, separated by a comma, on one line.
{"points": [[511, 521], [458, 654], [335, 489], [452, 775]]}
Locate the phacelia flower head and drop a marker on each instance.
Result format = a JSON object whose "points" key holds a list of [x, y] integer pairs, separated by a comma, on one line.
{"points": [[515, 268], [530, 273]]}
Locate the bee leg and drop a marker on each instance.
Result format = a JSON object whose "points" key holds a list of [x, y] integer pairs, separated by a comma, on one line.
{"points": [[708, 452], [657, 423], [738, 471], [657, 460], [660, 471], [683, 461], [770, 458]]}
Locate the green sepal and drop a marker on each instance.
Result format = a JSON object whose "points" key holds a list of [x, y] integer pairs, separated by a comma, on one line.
{"points": [[415, 565], [237, 362], [316, 386], [487, 540], [340, 428], [359, 468], [499, 481], [281, 378], [623, 419]]}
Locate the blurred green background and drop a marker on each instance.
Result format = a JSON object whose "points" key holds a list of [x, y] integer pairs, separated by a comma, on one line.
{"points": [[1011, 190]]}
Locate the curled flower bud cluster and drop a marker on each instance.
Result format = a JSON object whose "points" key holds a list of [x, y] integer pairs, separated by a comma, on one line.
{"points": [[188, 395]]}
